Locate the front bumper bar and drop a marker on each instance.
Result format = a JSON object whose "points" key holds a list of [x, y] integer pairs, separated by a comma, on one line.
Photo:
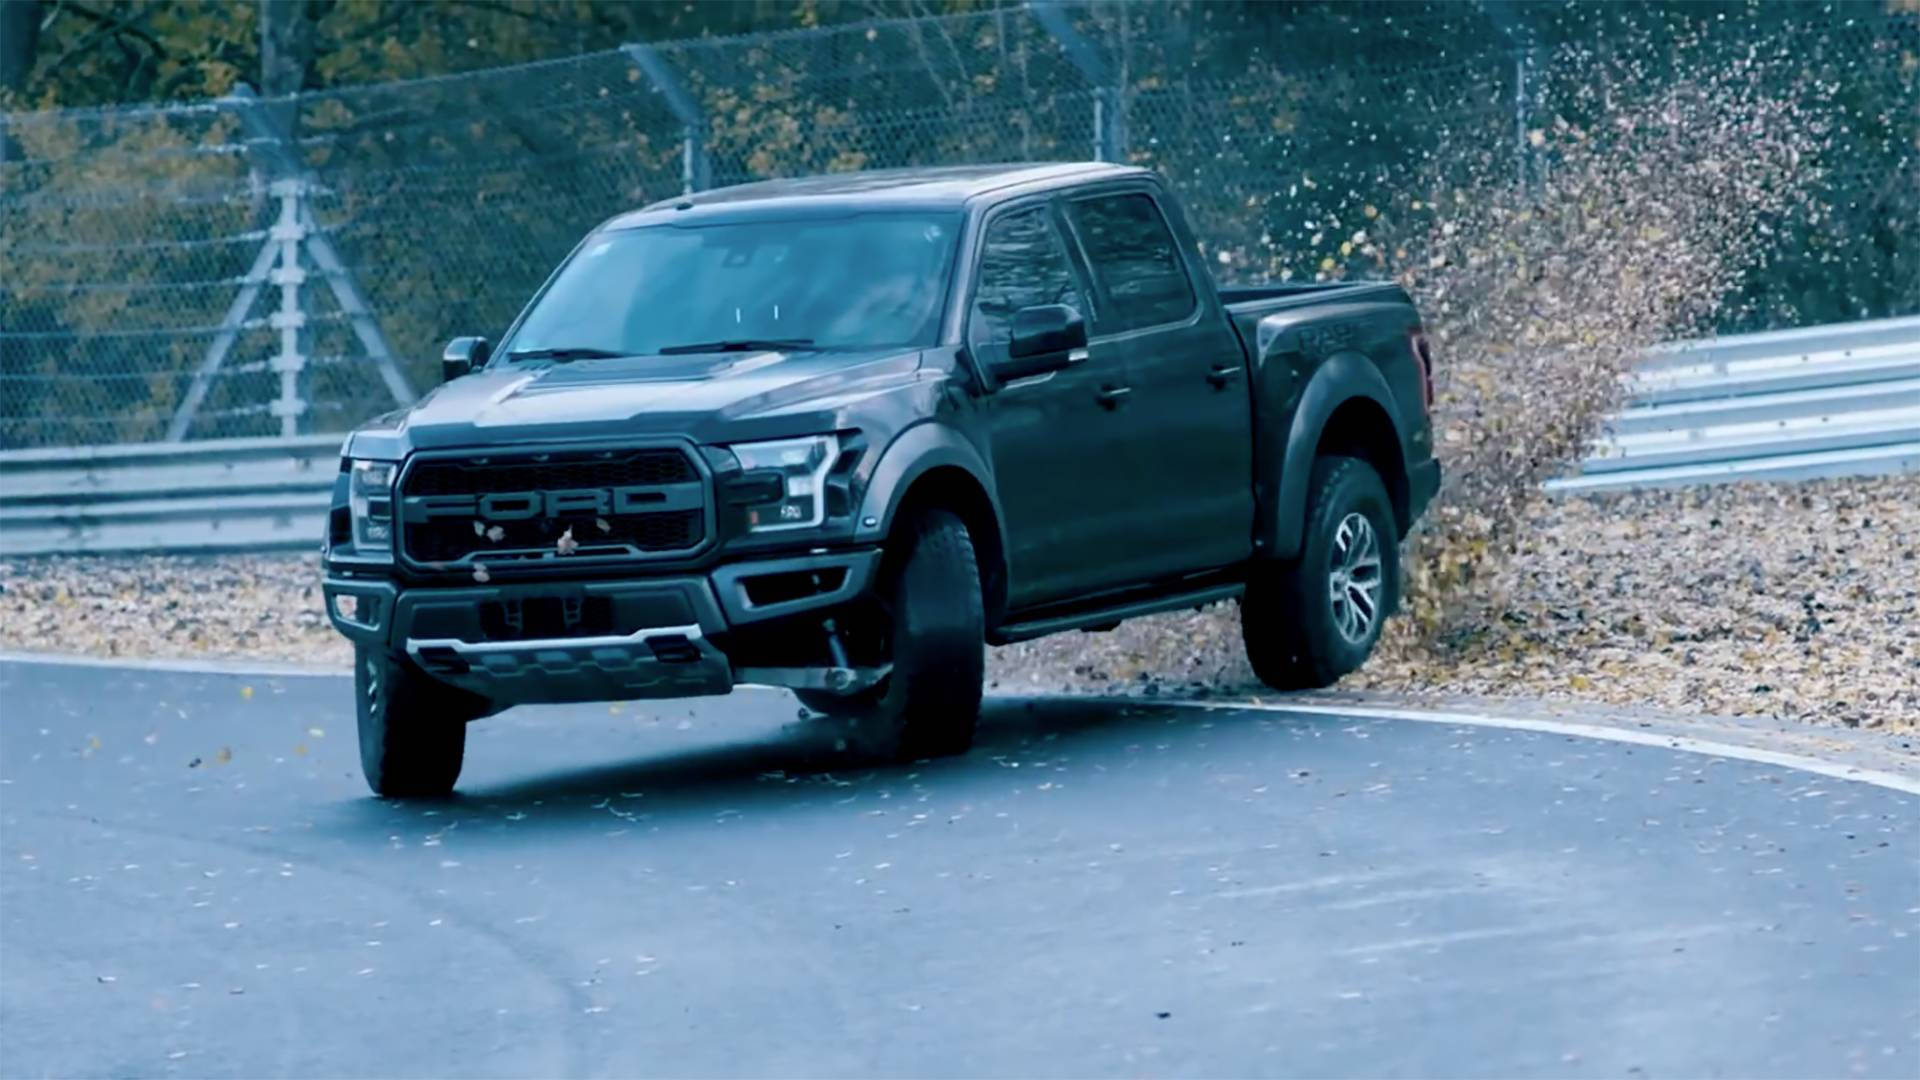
{"points": [[661, 645]]}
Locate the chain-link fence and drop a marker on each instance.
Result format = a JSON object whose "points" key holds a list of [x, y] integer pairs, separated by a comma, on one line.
{"points": [[241, 267]]}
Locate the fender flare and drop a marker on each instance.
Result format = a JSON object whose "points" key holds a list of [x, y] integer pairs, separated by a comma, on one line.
{"points": [[911, 455], [1339, 379]]}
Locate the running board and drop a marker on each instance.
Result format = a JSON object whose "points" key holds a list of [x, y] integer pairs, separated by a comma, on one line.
{"points": [[1096, 617]]}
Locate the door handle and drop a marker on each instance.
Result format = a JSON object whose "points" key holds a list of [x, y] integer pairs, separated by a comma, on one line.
{"points": [[1111, 396], [1222, 374]]}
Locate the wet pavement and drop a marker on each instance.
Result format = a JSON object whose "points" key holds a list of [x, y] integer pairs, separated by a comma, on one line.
{"points": [[194, 882]]}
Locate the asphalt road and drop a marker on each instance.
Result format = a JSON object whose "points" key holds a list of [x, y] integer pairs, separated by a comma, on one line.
{"points": [[195, 883]]}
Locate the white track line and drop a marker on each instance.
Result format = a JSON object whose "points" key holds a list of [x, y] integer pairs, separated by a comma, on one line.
{"points": [[255, 668], [1602, 732], [1684, 743]]}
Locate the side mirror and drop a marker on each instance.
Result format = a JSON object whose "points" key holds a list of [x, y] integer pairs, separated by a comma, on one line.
{"points": [[1046, 337], [462, 355]]}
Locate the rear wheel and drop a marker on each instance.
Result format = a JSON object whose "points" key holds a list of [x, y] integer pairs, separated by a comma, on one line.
{"points": [[413, 729], [934, 634], [1308, 621]]}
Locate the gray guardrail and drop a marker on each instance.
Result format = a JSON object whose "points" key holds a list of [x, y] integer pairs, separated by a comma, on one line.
{"points": [[1822, 401], [1840, 400], [219, 495]]}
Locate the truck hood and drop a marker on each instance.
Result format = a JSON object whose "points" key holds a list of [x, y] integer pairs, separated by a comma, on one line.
{"points": [[715, 397]]}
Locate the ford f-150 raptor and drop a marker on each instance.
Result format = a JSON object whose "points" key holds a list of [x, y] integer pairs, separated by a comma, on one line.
{"points": [[839, 434]]}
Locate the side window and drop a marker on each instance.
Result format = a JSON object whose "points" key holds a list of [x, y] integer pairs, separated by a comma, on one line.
{"points": [[1022, 263], [1134, 261]]}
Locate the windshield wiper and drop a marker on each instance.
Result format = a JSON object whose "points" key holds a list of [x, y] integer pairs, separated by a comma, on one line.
{"points": [[564, 354], [738, 345]]}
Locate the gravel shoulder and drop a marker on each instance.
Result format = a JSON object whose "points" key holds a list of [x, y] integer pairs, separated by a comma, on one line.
{"points": [[1796, 603], [1788, 602]]}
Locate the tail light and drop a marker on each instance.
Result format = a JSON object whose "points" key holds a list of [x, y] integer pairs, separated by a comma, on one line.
{"points": [[1423, 355]]}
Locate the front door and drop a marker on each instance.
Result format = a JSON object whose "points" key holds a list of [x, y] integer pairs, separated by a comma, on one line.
{"points": [[1190, 433], [1056, 438]]}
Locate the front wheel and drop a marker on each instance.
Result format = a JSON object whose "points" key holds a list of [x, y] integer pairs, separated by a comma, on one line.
{"points": [[1308, 621], [413, 729], [935, 637]]}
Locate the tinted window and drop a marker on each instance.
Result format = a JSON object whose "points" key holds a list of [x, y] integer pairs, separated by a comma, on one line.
{"points": [[1022, 263], [869, 280], [1134, 261]]}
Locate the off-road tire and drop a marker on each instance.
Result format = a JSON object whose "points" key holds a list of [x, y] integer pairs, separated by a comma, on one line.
{"points": [[413, 729], [1289, 619], [930, 702]]}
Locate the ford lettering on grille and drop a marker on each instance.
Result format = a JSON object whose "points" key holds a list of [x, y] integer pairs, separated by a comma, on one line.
{"points": [[638, 503], [522, 505]]}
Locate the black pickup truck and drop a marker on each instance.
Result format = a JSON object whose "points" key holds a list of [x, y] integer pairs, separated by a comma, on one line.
{"points": [[839, 434]]}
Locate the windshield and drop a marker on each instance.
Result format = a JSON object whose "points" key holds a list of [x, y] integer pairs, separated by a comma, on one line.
{"points": [[864, 281]]}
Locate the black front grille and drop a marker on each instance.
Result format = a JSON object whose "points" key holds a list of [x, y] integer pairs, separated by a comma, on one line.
{"points": [[652, 534], [442, 538], [573, 472]]}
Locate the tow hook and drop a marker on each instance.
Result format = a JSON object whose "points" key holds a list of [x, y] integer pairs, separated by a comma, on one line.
{"points": [[841, 675], [838, 649]]}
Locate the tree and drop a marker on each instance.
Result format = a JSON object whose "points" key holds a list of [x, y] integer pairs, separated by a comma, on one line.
{"points": [[19, 39], [101, 52], [287, 36]]}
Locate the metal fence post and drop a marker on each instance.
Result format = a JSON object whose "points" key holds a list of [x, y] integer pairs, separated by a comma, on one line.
{"points": [[291, 361], [278, 261], [695, 169], [222, 343], [1520, 39], [1109, 97], [1522, 63]]}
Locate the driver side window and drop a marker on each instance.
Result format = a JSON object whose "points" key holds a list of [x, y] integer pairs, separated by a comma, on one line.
{"points": [[1022, 263]]}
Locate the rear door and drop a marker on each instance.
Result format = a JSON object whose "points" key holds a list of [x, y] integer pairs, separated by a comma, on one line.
{"points": [[1189, 450], [1053, 439]]}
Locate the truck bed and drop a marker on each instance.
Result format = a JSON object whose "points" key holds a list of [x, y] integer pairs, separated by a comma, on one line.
{"points": [[1247, 305]]}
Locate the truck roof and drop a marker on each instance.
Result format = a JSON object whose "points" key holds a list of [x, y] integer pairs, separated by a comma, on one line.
{"points": [[946, 187]]}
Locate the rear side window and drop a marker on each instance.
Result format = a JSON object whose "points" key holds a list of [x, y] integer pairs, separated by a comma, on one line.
{"points": [[1134, 261], [1022, 264]]}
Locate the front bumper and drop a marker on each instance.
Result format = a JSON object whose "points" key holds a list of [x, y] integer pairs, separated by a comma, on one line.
{"points": [[653, 637]]}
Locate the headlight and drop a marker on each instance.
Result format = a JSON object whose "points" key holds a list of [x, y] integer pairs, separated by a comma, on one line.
{"points": [[783, 485], [370, 505]]}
